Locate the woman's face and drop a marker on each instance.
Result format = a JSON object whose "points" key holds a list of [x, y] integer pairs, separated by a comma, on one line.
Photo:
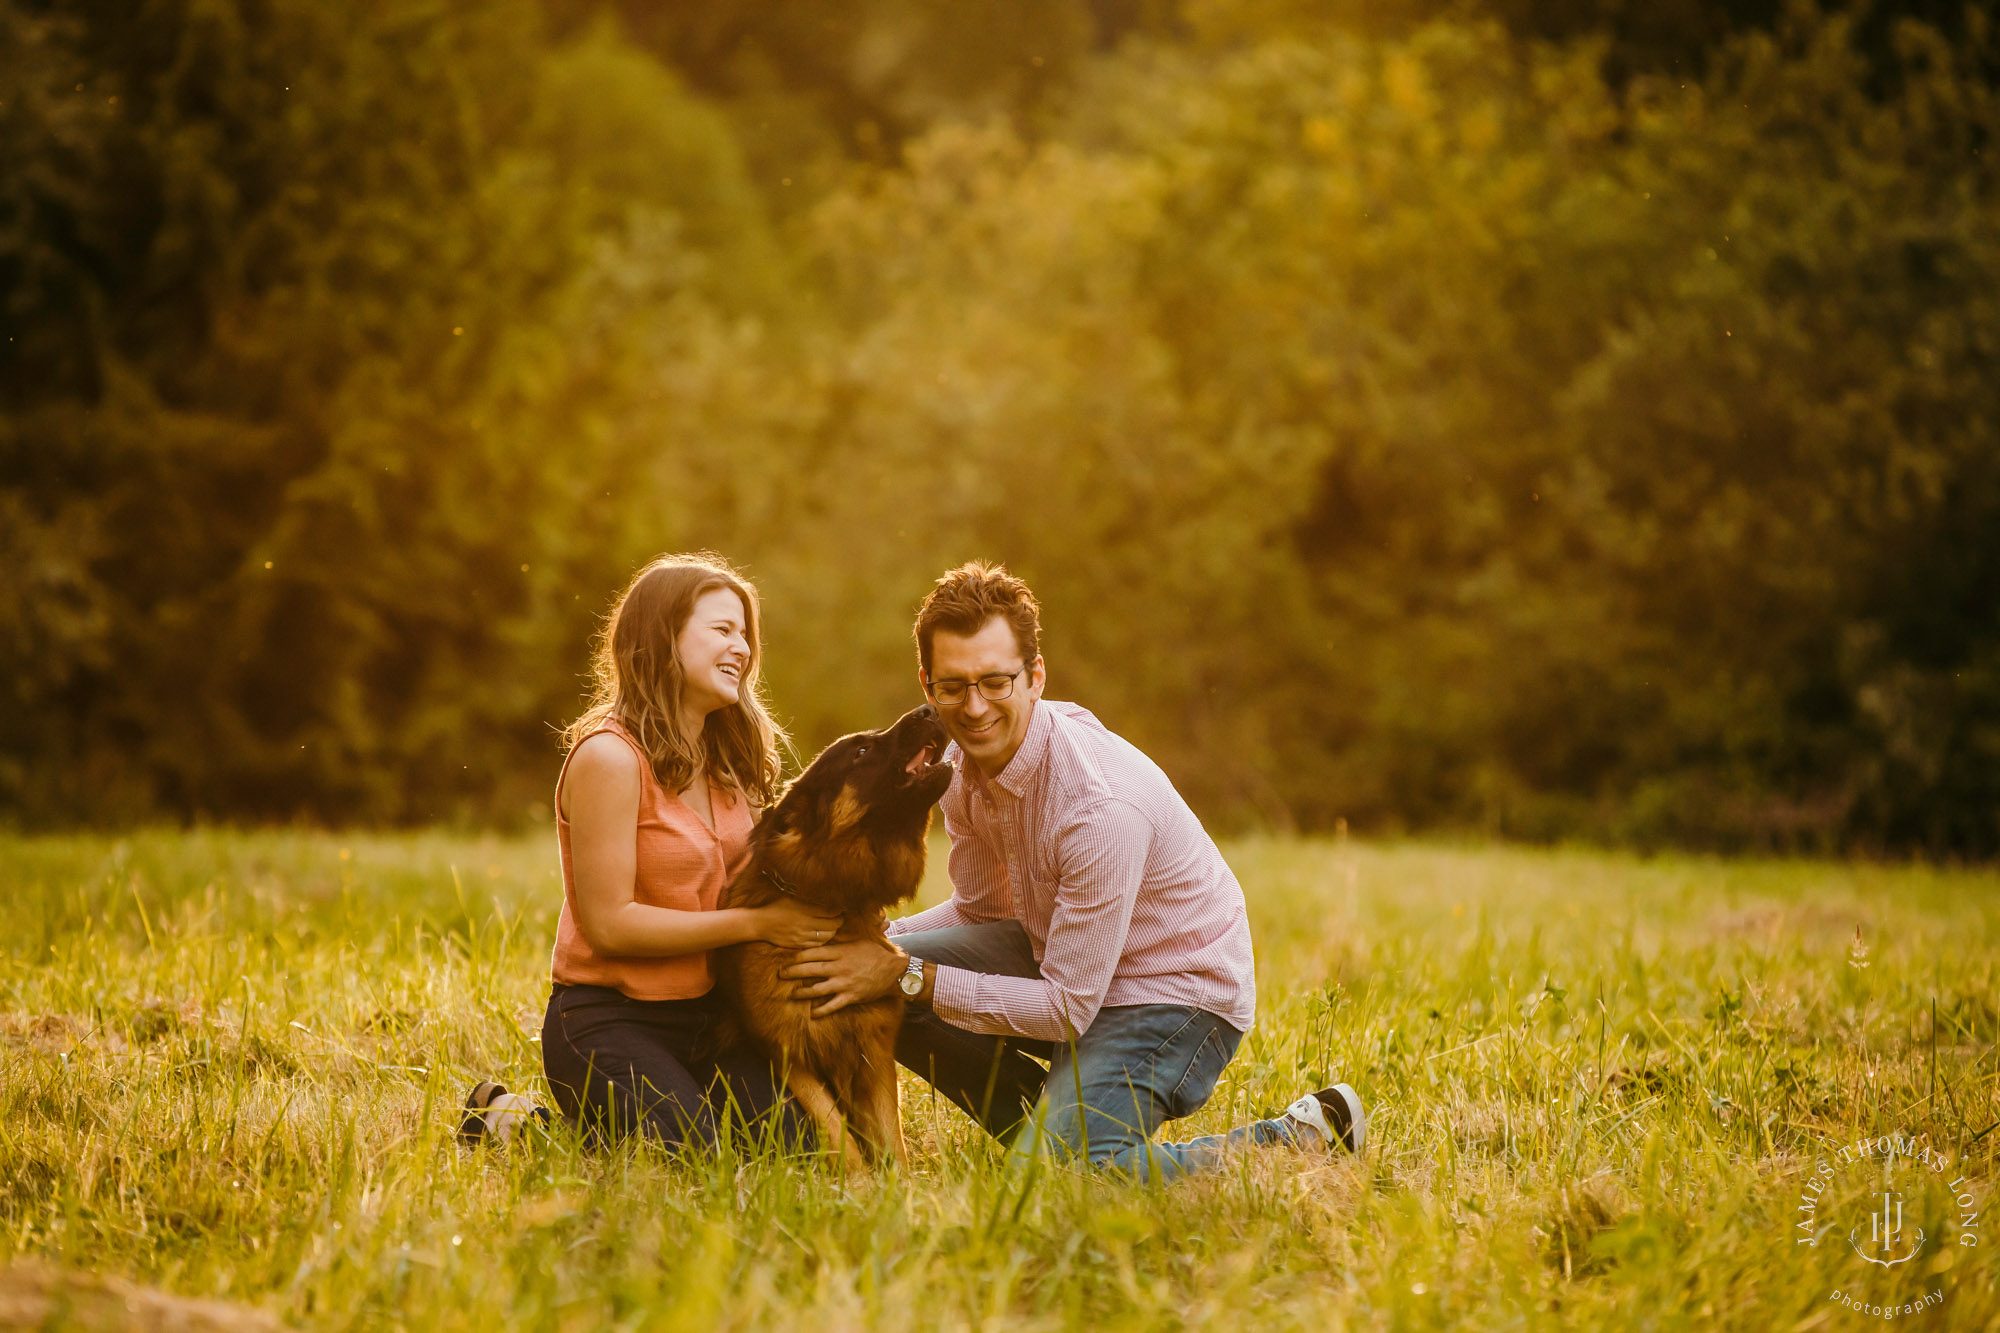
{"points": [[715, 652]]}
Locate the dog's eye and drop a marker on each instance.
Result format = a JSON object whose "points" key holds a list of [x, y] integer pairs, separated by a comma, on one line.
{"points": [[860, 750]]}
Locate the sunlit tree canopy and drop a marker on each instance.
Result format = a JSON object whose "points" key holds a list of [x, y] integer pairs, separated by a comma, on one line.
{"points": [[1554, 419]]}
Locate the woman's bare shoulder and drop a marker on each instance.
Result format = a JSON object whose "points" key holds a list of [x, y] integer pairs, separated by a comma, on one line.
{"points": [[602, 765], [605, 751]]}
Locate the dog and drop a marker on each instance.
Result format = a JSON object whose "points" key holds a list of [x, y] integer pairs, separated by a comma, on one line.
{"points": [[848, 836]]}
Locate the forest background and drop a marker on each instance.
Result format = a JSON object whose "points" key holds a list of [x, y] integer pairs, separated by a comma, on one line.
{"points": [[1549, 417]]}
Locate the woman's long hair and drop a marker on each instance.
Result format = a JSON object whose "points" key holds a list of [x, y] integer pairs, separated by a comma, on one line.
{"points": [[636, 674]]}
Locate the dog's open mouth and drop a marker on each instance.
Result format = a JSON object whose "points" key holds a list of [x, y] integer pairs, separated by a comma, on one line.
{"points": [[926, 763]]}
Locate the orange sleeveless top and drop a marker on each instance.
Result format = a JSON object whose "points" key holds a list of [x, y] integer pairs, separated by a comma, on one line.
{"points": [[680, 865]]}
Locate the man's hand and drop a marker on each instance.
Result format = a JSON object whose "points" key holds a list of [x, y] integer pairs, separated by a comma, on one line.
{"points": [[845, 972]]}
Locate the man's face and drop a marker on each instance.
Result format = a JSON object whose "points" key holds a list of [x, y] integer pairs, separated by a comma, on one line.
{"points": [[989, 731]]}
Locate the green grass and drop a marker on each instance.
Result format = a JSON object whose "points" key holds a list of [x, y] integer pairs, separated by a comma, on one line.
{"points": [[229, 1065]]}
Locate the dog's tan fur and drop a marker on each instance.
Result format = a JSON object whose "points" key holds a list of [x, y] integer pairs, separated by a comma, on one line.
{"points": [[849, 837]]}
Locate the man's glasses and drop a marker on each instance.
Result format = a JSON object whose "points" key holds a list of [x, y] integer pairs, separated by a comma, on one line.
{"points": [[952, 693]]}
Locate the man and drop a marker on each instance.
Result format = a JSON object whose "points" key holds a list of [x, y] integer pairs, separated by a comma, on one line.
{"points": [[1092, 921]]}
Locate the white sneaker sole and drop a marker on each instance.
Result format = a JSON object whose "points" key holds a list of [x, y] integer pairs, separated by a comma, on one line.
{"points": [[1307, 1110]]}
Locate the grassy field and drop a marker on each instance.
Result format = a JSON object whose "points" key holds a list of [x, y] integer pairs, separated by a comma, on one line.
{"points": [[229, 1065]]}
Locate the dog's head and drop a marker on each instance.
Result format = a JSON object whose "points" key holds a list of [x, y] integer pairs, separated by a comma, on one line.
{"points": [[849, 832]]}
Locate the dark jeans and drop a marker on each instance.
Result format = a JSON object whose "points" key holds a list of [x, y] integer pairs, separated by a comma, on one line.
{"points": [[616, 1065], [1102, 1096]]}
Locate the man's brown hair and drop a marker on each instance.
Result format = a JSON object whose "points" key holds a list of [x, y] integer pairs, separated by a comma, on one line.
{"points": [[967, 597]]}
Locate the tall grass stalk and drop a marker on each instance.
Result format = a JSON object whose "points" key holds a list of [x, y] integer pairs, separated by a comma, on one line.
{"points": [[230, 1066]]}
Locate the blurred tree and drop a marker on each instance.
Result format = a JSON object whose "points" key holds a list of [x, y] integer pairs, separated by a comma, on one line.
{"points": [[1367, 302], [295, 293], [1788, 460], [1418, 421], [809, 86]]}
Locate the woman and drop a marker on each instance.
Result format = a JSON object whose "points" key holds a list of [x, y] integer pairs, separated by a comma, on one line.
{"points": [[667, 771]]}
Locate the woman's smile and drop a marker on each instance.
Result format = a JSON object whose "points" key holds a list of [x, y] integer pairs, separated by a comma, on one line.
{"points": [[727, 679], [716, 631]]}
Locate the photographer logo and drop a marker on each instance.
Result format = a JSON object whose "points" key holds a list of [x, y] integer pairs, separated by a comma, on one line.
{"points": [[1895, 1200], [1885, 1234]]}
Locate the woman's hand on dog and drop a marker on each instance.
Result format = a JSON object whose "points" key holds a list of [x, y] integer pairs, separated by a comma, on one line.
{"points": [[847, 971], [791, 924]]}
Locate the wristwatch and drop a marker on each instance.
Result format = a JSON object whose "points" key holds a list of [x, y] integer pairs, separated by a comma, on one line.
{"points": [[913, 978]]}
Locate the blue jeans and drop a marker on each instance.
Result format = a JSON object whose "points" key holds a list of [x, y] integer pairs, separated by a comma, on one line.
{"points": [[1103, 1096]]}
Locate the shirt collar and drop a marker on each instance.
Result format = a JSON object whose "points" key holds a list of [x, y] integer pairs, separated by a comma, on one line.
{"points": [[1034, 748]]}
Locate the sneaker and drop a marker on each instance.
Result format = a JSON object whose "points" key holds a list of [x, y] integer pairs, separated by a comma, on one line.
{"points": [[1336, 1113], [492, 1112]]}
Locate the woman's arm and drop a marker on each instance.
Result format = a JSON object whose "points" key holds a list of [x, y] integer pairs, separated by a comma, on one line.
{"points": [[601, 797]]}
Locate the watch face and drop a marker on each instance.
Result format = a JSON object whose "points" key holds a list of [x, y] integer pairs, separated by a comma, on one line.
{"points": [[912, 982]]}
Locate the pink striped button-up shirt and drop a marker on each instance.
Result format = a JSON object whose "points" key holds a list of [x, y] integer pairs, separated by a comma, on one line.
{"points": [[1120, 888]]}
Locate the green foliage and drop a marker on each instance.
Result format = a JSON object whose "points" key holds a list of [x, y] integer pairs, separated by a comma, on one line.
{"points": [[1412, 424], [285, 459], [230, 1066]]}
